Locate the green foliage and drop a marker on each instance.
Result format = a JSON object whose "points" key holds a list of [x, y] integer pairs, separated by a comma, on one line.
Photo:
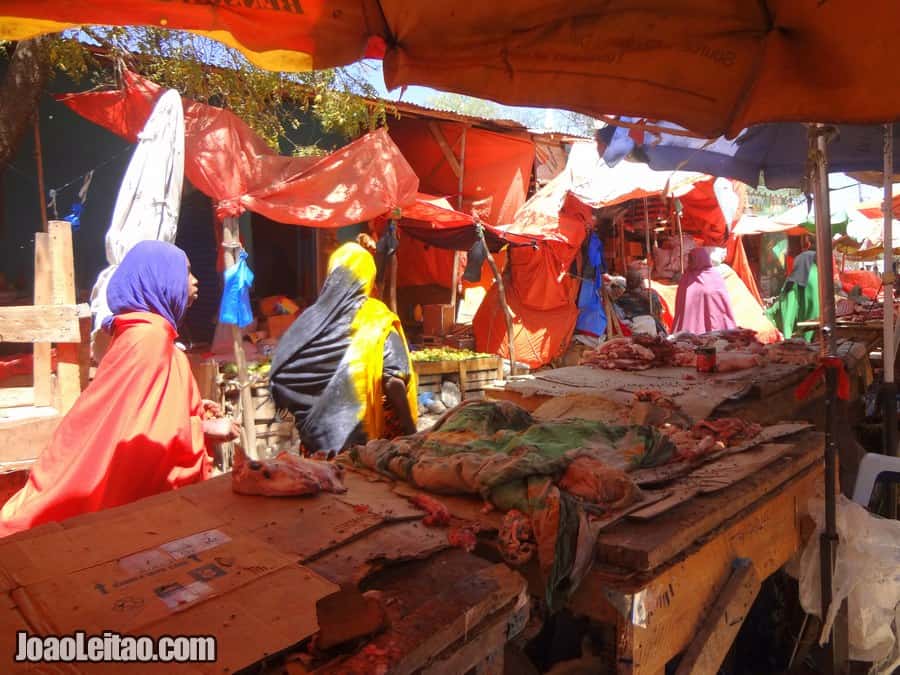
{"points": [[465, 105], [210, 72]]}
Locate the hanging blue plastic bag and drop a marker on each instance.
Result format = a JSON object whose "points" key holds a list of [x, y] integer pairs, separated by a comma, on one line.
{"points": [[74, 215], [235, 307]]}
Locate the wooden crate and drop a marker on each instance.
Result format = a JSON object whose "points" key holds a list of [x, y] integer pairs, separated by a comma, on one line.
{"points": [[471, 375]]}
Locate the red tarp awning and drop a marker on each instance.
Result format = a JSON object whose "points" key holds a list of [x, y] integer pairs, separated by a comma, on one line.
{"points": [[227, 161]]}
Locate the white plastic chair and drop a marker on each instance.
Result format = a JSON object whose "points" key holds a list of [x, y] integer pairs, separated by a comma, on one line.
{"points": [[870, 468]]}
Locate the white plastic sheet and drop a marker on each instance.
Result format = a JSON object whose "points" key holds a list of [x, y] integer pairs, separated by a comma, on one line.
{"points": [[867, 574], [149, 198]]}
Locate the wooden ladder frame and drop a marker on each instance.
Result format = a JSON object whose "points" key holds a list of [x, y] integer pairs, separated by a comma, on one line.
{"points": [[30, 415]]}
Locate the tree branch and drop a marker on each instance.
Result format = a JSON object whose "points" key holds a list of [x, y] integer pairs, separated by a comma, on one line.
{"points": [[20, 94]]}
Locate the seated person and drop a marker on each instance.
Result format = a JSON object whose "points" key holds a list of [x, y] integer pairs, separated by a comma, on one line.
{"points": [[640, 306], [343, 369]]}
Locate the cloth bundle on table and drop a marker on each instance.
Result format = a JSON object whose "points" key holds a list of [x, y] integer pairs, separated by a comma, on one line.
{"points": [[136, 430], [329, 366], [799, 299], [497, 450], [702, 304]]}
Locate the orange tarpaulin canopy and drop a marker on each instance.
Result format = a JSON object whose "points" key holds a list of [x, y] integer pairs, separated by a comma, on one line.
{"points": [[713, 66], [227, 161], [496, 171]]}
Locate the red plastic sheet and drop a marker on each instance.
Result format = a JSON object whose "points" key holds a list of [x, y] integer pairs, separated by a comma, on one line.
{"points": [[541, 291], [227, 161], [496, 173], [496, 167], [869, 283]]}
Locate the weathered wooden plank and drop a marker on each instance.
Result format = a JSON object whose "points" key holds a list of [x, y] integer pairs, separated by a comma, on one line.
{"points": [[486, 363], [12, 397], [73, 364], [43, 295], [722, 623], [68, 369], [647, 545], [40, 323], [448, 615], [452, 161], [24, 439], [658, 614]]}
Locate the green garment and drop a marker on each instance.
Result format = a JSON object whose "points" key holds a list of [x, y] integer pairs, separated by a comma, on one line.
{"points": [[795, 304]]}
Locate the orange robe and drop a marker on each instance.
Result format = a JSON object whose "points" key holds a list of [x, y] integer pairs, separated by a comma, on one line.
{"points": [[134, 432]]}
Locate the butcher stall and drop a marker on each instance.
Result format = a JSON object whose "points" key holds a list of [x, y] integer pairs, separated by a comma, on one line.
{"points": [[655, 543], [755, 382], [351, 582]]}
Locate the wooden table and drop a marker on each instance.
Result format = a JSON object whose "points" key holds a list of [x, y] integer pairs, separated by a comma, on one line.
{"points": [[870, 332], [449, 611], [763, 395], [654, 581]]}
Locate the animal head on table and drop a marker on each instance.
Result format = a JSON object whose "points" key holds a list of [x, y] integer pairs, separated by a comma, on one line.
{"points": [[286, 475]]}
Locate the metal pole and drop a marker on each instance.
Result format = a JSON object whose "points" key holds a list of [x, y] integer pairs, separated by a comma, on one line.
{"points": [[889, 388], [829, 539], [647, 235], [824, 257]]}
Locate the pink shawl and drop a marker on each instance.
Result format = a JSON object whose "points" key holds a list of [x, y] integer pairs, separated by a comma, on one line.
{"points": [[702, 303]]}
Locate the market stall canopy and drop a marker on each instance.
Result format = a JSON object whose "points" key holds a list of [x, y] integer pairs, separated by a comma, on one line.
{"points": [[230, 163], [777, 152], [713, 66], [432, 220], [751, 224]]}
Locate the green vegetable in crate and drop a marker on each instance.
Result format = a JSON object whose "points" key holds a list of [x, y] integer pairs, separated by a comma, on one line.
{"points": [[432, 354], [230, 370]]}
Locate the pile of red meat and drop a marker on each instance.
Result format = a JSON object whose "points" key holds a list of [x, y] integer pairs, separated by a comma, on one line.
{"points": [[620, 354], [728, 430], [709, 436], [794, 351]]}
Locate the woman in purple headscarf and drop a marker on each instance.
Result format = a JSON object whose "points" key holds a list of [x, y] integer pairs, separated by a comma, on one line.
{"points": [[702, 303], [136, 430]]}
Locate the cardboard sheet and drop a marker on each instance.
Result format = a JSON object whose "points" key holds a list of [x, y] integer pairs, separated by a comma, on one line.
{"points": [[697, 394], [169, 568]]}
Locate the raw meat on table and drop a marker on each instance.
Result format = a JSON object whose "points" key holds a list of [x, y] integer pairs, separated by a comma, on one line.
{"points": [[727, 430], [438, 515], [599, 484], [727, 362], [620, 354], [286, 475], [516, 538]]}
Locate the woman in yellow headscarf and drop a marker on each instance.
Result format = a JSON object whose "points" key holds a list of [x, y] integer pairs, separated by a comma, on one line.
{"points": [[343, 368]]}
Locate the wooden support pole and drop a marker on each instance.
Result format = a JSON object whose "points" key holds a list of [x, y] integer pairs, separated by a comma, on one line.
{"points": [[39, 163], [501, 294], [392, 289], [454, 280], [680, 236], [231, 242], [62, 258], [713, 639], [43, 295]]}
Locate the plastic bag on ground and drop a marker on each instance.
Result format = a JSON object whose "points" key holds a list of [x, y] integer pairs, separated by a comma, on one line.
{"points": [[867, 574]]}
